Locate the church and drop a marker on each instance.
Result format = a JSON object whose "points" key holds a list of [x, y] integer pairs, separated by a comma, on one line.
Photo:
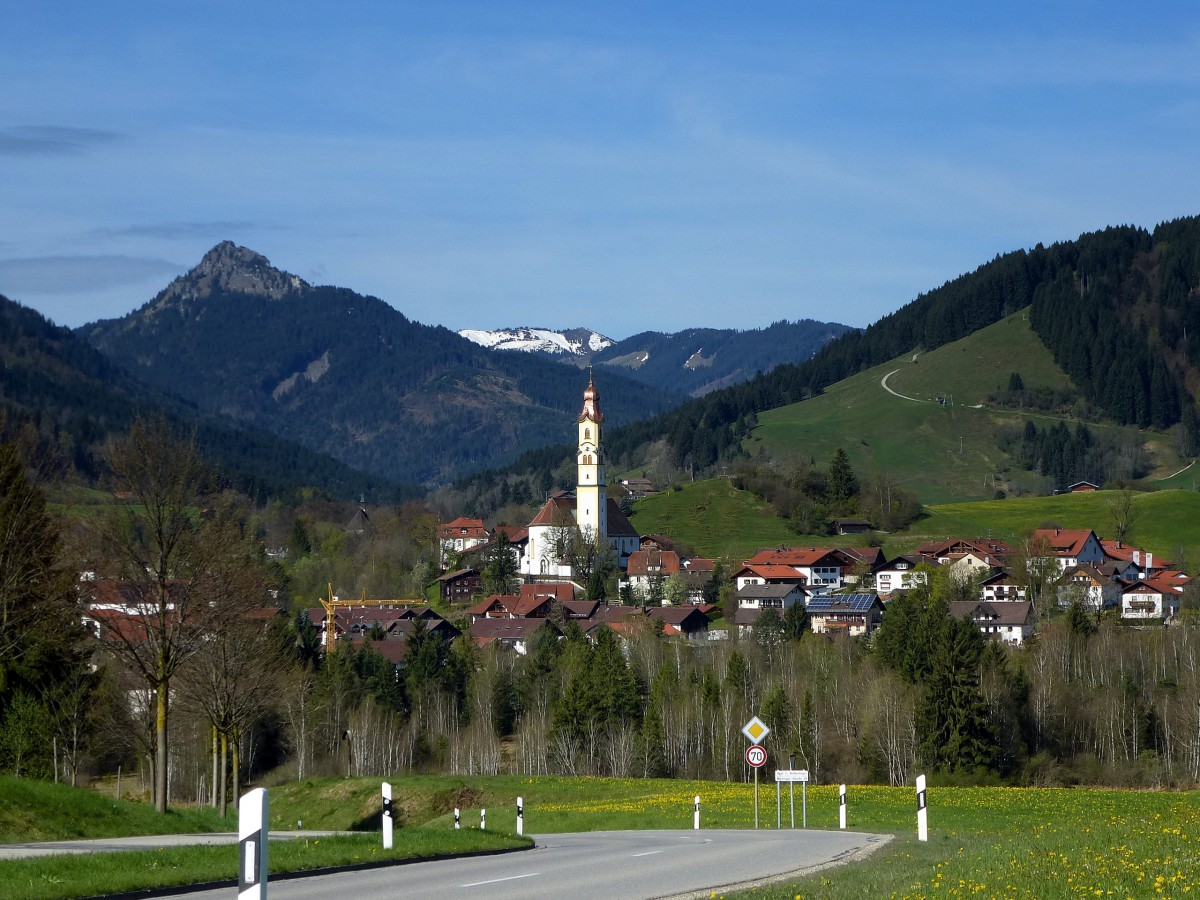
{"points": [[587, 512]]}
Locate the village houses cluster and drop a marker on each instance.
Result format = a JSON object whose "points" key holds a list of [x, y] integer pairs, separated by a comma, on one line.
{"points": [[841, 590]]}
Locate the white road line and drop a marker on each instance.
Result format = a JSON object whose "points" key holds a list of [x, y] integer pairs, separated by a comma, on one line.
{"points": [[498, 880], [647, 853]]}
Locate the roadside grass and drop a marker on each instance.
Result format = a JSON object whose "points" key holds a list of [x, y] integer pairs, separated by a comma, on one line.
{"points": [[42, 811], [1018, 842], [71, 875]]}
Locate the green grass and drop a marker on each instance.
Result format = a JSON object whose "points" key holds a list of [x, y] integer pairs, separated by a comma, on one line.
{"points": [[42, 811], [1168, 521], [61, 877], [1016, 842], [943, 453], [714, 518]]}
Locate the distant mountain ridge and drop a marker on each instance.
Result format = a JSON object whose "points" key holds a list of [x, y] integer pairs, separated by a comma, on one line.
{"points": [[695, 361], [349, 375]]}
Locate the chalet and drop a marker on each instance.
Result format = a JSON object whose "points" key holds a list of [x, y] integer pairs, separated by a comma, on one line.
{"points": [[1002, 587], [901, 573], [1095, 585], [460, 586], [768, 574], [1008, 621], [461, 535], [860, 559], [853, 614], [990, 551], [638, 487], [656, 542], [820, 566], [511, 634], [1082, 487], [1068, 547], [771, 596], [1146, 601], [682, 621], [649, 567], [1133, 562]]}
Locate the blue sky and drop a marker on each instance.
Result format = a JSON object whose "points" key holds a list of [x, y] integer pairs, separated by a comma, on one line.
{"points": [[620, 166]]}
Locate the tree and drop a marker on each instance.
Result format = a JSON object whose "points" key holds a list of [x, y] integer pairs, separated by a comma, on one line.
{"points": [[1121, 513], [182, 558], [843, 484], [500, 569]]}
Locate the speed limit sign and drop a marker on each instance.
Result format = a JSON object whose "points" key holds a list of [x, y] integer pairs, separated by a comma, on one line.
{"points": [[756, 756]]}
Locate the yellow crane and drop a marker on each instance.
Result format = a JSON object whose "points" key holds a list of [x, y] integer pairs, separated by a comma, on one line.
{"points": [[333, 604]]}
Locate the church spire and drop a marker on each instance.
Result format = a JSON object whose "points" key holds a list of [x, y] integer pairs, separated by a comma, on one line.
{"points": [[591, 402]]}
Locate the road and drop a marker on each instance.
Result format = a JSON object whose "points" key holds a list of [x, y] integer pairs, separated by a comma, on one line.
{"points": [[629, 865], [152, 842]]}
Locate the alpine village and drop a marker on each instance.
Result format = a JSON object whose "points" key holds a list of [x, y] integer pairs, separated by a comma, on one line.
{"points": [[259, 531]]}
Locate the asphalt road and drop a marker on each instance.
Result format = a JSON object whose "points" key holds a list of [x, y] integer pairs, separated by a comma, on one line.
{"points": [[153, 842], [616, 865]]}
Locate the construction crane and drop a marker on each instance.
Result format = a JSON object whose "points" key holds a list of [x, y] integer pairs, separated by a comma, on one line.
{"points": [[333, 604]]}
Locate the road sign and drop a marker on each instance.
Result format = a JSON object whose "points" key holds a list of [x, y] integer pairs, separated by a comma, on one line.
{"points": [[786, 775], [756, 730], [756, 755]]}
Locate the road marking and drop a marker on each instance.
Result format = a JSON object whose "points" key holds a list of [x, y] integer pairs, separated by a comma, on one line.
{"points": [[647, 853], [498, 880]]}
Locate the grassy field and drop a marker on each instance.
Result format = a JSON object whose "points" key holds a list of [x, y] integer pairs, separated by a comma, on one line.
{"points": [[717, 520], [943, 452]]}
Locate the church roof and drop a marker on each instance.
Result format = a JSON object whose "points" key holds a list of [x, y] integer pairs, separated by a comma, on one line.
{"points": [[554, 510], [618, 525], [591, 403]]}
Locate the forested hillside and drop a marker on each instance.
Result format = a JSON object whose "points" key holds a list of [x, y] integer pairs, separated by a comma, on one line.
{"points": [[75, 400]]}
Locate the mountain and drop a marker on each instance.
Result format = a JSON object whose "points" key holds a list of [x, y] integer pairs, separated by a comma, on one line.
{"points": [[1115, 309], [573, 345], [348, 375], [76, 399], [695, 361]]}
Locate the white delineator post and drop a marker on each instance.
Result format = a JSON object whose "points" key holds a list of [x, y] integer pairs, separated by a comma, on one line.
{"points": [[456, 819], [387, 816], [252, 845], [696, 823], [922, 812], [842, 807], [520, 816], [483, 820]]}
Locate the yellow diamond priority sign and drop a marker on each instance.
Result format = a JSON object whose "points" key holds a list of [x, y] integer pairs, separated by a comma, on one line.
{"points": [[756, 729]]}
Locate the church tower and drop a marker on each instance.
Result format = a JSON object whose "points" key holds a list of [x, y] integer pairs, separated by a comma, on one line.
{"points": [[591, 499]]}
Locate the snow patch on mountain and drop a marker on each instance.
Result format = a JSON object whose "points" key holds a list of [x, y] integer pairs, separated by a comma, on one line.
{"points": [[575, 342]]}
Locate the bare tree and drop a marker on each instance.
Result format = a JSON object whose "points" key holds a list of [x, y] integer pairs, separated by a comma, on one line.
{"points": [[1121, 513], [180, 553]]}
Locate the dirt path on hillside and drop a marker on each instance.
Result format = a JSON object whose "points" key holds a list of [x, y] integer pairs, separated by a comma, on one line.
{"points": [[883, 384]]}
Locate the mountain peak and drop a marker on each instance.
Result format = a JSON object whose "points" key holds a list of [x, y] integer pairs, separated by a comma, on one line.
{"points": [[229, 267]]}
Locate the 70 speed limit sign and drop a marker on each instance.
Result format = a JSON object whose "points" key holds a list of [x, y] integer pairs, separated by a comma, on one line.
{"points": [[756, 756]]}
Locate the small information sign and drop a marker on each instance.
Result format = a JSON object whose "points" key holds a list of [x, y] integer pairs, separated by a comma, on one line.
{"points": [[786, 775]]}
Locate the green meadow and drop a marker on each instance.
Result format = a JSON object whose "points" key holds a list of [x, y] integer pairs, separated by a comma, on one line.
{"points": [[984, 841]]}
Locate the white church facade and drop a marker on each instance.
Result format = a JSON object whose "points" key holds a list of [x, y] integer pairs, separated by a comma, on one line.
{"points": [[587, 513]]}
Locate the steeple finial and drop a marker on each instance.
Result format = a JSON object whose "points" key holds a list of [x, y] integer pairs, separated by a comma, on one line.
{"points": [[591, 401]]}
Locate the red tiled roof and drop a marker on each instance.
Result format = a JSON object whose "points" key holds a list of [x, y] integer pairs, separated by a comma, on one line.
{"points": [[659, 562], [463, 527], [1063, 541], [558, 510], [771, 572]]}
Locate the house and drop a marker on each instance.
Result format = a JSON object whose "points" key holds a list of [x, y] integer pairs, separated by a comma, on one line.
{"points": [[767, 574], [638, 487], [901, 573], [1133, 562], [1083, 487], [861, 560], [819, 566], [1068, 547], [771, 596], [990, 551], [460, 586], [682, 621], [1095, 585], [853, 614], [1010, 621], [512, 634], [1146, 601], [648, 569], [1002, 587], [461, 535]]}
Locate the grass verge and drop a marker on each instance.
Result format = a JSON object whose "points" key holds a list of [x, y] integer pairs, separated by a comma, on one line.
{"points": [[71, 875]]}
